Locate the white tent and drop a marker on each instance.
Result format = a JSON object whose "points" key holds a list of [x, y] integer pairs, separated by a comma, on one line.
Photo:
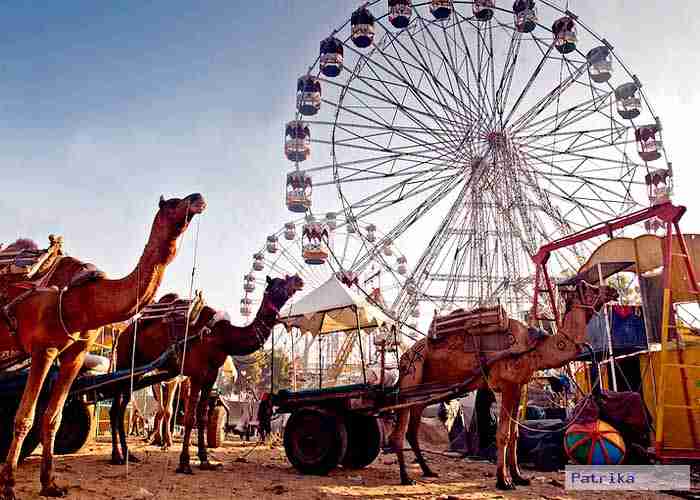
{"points": [[332, 307]]}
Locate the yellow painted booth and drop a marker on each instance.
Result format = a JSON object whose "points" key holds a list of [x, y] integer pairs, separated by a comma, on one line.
{"points": [[669, 368]]}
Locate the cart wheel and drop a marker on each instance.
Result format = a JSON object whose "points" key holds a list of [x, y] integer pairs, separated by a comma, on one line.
{"points": [[76, 428], [215, 428], [315, 440], [364, 441]]}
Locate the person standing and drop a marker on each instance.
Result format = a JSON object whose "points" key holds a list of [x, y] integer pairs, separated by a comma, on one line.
{"points": [[265, 416]]}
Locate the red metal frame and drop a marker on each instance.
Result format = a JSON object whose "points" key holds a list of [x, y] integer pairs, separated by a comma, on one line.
{"points": [[670, 214], [667, 212]]}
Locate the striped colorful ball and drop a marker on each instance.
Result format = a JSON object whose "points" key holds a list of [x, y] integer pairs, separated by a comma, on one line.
{"points": [[595, 443]]}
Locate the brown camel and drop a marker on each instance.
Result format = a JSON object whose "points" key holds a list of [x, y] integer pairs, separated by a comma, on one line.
{"points": [[212, 340], [444, 361], [53, 324]]}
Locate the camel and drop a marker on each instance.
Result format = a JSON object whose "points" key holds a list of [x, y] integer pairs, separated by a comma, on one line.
{"points": [[444, 361], [61, 324], [213, 338]]}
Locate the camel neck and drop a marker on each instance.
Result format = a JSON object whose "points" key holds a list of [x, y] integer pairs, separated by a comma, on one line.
{"points": [[560, 349], [244, 340], [109, 301]]}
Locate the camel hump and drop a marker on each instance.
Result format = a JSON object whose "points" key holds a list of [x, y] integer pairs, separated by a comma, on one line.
{"points": [[168, 297], [19, 245]]}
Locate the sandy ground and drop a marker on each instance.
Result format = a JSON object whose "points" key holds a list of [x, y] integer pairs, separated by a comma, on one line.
{"points": [[266, 474]]}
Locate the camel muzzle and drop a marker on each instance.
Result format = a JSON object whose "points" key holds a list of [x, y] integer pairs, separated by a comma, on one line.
{"points": [[197, 203]]}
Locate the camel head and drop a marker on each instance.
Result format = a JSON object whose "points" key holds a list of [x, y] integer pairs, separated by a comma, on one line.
{"points": [[588, 297], [279, 290], [175, 214]]}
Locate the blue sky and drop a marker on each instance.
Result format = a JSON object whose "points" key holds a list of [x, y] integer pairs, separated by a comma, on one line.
{"points": [[104, 106]]}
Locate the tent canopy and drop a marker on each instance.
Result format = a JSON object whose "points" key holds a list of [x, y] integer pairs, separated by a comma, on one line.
{"points": [[332, 307], [641, 255]]}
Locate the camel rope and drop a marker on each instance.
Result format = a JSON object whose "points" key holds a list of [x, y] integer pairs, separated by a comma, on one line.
{"points": [[187, 325], [133, 358]]}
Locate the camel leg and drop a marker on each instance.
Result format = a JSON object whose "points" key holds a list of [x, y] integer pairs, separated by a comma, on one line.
{"points": [[396, 440], [156, 438], [125, 399], [71, 363], [168, 403], [412, 437], [190, 409], [114, 415], [512, 453], [503, 436], [24, 418], [202, 420]]}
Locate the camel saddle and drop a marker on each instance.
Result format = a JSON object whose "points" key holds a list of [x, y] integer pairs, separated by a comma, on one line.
{"points": [[28, 264], [22, 271], [176, 311], [480, 321], [176, 314], [485, 329]]}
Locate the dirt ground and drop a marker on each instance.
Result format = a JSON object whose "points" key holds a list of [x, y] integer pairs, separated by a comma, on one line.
{"points": [[266, 474]]}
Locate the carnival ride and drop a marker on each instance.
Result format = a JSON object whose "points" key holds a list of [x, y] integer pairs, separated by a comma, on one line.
{"points": [[319, 250], [473, 133]]}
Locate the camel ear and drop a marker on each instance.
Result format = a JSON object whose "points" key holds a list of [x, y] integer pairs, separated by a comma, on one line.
{"points": [[286, 277], [161, 202], [268, 279]]}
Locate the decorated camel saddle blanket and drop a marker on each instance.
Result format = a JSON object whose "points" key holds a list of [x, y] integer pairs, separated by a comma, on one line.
{"points": [[480, 321], [173, 309], [484, 330], [23, 261]]}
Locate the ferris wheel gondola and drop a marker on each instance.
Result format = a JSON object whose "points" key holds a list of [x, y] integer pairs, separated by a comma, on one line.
{"points": [[472, 132], [317, 249]]}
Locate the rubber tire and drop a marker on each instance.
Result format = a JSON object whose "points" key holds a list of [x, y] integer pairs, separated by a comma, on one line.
{"points": [[364, 441], [77, 427], [7, 425], [315, 440], [215, 427]]}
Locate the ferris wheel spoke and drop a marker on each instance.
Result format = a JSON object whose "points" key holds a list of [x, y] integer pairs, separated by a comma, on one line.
{"points": [[410, 113], [571, 115], [438, 90], [382, 200], [476, 75], [447, 67], [393, 132], [550, 98], [463, 84], [440, 123], [404, 108], [421, 210], [504, 86], [395, 73], [600, 186], [428, 111]]}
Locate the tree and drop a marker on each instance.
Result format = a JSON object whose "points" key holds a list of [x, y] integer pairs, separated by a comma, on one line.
{"points": [[282, 366]]}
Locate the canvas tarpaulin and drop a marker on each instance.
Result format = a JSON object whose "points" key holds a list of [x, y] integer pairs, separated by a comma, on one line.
{"points": [[643, 255], [332, 307]]}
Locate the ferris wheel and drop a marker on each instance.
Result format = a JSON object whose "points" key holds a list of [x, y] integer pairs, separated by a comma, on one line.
{"points": [[317, 249], [473, 132]]}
